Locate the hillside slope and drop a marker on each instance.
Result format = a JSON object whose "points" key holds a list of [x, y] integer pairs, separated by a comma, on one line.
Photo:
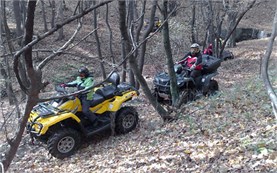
{"points": [[233, 131]]}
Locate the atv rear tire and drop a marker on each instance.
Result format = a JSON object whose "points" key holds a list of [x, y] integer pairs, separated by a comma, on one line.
{"points": [[213, 88], [64, 143], [126, 120]]}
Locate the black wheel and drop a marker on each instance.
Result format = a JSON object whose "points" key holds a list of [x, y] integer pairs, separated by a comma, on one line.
{"points": [[156, 96], [63, 143], [213, 88], [187, 95], [126, 120]]}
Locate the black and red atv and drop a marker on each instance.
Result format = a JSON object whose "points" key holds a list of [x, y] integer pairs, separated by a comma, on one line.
{"points": [[189, 88]]}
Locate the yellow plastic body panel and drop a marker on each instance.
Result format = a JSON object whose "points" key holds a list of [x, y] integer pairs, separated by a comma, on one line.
{"points": [[51, 120], [110, 105], [71, 105], [113, 104]]}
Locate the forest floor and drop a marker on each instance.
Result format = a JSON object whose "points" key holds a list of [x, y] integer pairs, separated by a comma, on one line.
{"points": [[233, 131]]}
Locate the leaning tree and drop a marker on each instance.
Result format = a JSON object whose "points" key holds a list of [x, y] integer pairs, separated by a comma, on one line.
{"points": [[265, 63]]}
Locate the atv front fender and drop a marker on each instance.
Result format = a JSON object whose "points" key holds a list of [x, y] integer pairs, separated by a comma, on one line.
{"points": [[41, 125], [206, 81]]}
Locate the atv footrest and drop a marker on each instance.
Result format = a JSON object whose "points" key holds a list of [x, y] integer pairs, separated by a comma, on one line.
{"points": [[94, 130]]}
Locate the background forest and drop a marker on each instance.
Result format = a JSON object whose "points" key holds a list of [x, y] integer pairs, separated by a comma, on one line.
{"points": [[233, 131]]}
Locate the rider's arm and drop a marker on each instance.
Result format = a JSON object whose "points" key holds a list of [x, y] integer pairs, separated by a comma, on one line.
{"points": [[198, 59], [186, 56], [73, 83]]}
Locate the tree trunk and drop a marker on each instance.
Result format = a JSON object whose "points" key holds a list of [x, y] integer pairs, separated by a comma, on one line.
{"points": [[231, 20], [33, 92], [193, 29], [44, 16], [211, 37], [133, 64], [137, 35], [98, 43], [110, 34], [60, 17], [11, 50], [18, 18], [145, 35], [171, 6], [23, 11], [131, 19], [265, 62], [170, 63], [240, 16], [124, 64], [53, 11]]}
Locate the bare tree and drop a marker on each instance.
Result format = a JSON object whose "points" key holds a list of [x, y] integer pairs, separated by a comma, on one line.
{"points": [[130, 24], [170, 63], [60, 17], [53, 11], [133, 64], [18, 18], [98, 44], [110, 33], [31, 101], [6, 72], [249, 5], [44, 15], [209, 22], [265, 63], [193, 30]]}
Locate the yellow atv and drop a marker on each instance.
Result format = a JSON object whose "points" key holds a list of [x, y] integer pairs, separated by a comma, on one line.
{"points": [[61, 124]]}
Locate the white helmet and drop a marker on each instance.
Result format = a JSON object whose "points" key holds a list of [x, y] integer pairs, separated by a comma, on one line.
{"points": [[194, 48], [195, 45]]}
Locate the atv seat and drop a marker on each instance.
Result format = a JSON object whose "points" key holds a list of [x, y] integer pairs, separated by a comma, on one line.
{"points": [[107, 91], [124, 87], [97, 99]]}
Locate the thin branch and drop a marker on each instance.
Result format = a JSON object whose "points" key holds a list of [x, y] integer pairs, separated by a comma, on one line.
{"points": [[147, 38], [61, 49], [57, 27]]}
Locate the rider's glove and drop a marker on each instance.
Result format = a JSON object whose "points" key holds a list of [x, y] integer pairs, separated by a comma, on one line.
{"points": [[192, 67], [63, 85]]}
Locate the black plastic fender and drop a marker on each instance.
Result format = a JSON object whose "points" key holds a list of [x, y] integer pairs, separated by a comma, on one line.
{"points": [[206, 81]]}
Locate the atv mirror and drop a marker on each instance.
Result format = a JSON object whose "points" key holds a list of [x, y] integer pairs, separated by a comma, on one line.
{"points": [[178, 68]]}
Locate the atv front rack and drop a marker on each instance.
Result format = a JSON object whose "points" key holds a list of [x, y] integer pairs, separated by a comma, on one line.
{"points": [[45, 109]]}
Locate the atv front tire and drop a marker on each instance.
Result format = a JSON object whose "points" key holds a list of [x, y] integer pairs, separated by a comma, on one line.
{"points": [[213, 88], [156, 96], [126, 120], [63, 143]]}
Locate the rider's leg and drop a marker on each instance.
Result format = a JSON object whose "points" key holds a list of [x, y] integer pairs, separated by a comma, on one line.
{"points": [[85, 109], [195, 75]]}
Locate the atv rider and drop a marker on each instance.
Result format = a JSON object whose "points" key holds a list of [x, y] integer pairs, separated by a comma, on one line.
{"points": [[84, 81], [194, 53], [209, 50]]}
